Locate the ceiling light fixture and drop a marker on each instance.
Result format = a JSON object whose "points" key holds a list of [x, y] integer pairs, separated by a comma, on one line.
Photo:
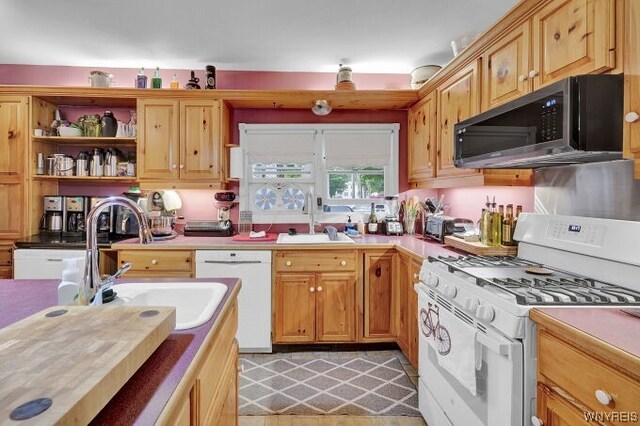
{"points": [[321, 107]]}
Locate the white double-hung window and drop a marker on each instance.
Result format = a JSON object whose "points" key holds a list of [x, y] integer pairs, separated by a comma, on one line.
{"points": [[348, 165]]}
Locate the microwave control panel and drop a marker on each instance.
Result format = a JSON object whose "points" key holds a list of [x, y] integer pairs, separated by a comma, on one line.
{"points": [[551, 119]]}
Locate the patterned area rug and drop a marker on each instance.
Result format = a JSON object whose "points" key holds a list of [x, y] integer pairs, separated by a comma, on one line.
{"points": [[326, 383]]}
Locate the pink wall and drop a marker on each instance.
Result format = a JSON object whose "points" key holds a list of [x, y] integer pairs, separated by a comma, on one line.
{"points": [[468, 202], [124, 77]]}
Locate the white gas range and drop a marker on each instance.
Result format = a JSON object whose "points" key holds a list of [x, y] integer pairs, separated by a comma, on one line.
{"points": [[477, 344]]}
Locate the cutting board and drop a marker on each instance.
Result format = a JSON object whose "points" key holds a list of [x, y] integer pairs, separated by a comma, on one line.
{"points": [[478, 248], [245, 238], [78, 357]]}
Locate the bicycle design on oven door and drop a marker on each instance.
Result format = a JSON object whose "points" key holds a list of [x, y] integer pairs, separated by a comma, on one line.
{"points": [[437, 330]]}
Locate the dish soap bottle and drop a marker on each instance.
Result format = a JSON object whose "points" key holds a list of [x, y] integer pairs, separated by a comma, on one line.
{"points": [[175, 84], [156, 81], [349, 225], [141, 79]]}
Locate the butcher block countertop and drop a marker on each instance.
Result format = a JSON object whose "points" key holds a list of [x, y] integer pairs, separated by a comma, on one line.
{"points": [[608, 333], [414, 245], [142, 399]]}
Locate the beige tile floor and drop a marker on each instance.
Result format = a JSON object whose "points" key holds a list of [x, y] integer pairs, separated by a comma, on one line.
{"points": [[329, 421]]}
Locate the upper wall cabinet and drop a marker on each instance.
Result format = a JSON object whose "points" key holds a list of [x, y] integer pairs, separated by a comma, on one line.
{"points": [[572, 37], [422, 139], [458, 99], [506, 68], [13, 140], [182, 141]]}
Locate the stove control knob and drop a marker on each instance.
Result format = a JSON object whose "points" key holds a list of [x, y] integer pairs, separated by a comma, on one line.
{"points": [[536, 421], [450, 290], [485, 313], [424, 274], [432, 279], [470, 304]]}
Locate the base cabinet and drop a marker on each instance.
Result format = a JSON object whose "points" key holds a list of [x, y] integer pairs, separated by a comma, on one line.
{"points": [[407, 303], [379, 297], [295, 308], [6, 261]]}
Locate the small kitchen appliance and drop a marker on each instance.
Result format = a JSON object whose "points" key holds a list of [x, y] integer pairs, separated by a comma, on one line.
{"points": [[104, 219], [485, 300], [439, 226], [161, 209], [74, 216], [51, 221], [392, 224]]}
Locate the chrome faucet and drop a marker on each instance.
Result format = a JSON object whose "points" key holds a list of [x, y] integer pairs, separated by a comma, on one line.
{"points": [[92, 283], [309, 208]]}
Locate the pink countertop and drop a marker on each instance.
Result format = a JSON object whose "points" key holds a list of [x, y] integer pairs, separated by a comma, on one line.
{"points": [[411, 244], [144, 396], [608, 325]]}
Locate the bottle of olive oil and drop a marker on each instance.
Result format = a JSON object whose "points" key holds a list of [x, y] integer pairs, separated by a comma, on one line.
{"points": [[507, 227], [515, 223], [496, 225], [485, 224]]}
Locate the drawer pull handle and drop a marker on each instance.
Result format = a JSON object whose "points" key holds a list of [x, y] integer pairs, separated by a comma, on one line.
{"points": [[631, 117], [288, 263], [154, 262], [533, 73], [603, 397], [311, 289], [522, 78], [319, 288], [343, 263], [536, 421], [415, 276]]}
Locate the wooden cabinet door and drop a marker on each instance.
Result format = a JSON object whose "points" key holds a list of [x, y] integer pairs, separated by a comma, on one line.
{"points": [[632, 83], [422, 139], [294, 308], [12, 217], [505, 68], [458, 99], [572, 37], [553, 410], [13, 136], [336, 307], [200, 147], [158, 139], [379, 309], [229, 412], [403, 326], [412, 313]]}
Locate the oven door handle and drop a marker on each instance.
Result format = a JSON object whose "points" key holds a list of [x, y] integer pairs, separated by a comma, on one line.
{"points": [[503, 349]]}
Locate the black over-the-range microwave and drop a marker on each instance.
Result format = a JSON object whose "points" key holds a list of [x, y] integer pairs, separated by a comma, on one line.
{"points": [[575, 120]]}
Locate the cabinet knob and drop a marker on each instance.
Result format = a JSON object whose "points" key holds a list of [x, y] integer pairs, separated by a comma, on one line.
{"points": [[154, 262], [631, 117], [415, 276], [174, 166], [603, 397], [522, 78], [533, 73], [536, 421], [288, 263], [311, 289], [343, 263], [182, 166], [319, 288]]}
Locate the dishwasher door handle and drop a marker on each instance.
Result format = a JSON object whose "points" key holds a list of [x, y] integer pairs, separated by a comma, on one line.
{"points": [[233, 262]]}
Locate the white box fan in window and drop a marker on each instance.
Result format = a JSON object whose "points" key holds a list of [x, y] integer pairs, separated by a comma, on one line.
{"points": [[278, 197]]}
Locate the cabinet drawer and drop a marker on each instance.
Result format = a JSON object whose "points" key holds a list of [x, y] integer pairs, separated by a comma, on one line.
{"points": [[581, 376], [315, 261], [6, 254], [6, 272], [157, 260]]}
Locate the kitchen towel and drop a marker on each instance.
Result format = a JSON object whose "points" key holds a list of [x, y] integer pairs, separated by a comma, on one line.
{"points": [[456, 345]]}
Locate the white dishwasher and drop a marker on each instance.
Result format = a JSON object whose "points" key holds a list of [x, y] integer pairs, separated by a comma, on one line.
{"points": [[254, 301], [42, 263]]}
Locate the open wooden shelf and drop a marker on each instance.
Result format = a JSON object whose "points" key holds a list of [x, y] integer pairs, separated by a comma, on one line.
{"points": [[85, 141], [88, 178]]}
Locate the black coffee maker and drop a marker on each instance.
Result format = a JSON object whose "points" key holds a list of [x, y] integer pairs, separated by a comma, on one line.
{"points": [[74, 215]]}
